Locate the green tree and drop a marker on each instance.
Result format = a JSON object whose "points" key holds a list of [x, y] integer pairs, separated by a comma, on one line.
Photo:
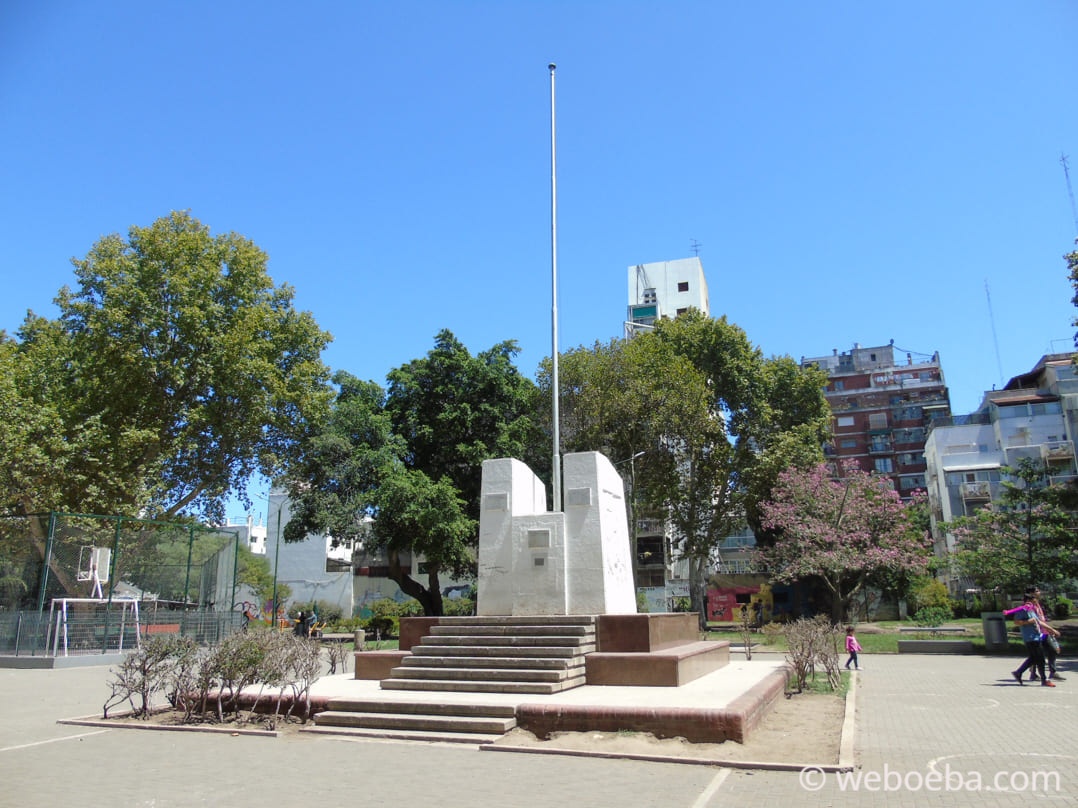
{"points": [[613, 401], [716, 421], [409, 458], [454, 410], [193, 370], [1025, 538], [48, 458]]}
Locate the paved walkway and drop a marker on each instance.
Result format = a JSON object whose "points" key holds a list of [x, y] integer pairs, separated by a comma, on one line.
{"points": [[932, 730]]}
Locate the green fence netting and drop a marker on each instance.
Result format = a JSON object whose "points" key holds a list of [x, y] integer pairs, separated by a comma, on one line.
{"points": [[180, 574]]}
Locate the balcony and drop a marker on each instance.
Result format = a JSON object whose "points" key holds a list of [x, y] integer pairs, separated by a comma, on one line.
{"points": [[976, 491], [1058, 451]]}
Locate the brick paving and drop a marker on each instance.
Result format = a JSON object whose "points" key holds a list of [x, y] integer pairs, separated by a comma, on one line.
{"points": [[948, 731], [928, 729]]}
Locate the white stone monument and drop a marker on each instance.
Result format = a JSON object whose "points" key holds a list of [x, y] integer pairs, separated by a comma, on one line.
{"points": [[537, 562]]}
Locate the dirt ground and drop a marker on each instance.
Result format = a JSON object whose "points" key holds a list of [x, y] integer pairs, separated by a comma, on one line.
{"points": [[803, 729]]}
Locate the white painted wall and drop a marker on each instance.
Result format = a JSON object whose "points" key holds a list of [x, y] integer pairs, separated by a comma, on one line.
{"points": [[664, 277], [302, 565]]}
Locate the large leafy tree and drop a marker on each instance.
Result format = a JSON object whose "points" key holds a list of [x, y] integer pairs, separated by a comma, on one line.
{"points": [[647, 409], [1029, 536], [176, 369], [715, 419], [840, 532], [409, 459], [765, 414], [454, 410], [47, 460]]}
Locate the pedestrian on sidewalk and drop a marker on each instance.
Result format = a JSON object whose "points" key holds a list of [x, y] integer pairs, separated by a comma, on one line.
{"points": [[1025, 618], [852, 648], [1049, 640]]}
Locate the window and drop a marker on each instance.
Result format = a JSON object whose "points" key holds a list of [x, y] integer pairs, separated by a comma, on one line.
{"points": [[1049, 408], [877, 420], [681, 311], [848, 443], [845, 421], [840, 385], [683, 286], [884, 465], [649, 550]]}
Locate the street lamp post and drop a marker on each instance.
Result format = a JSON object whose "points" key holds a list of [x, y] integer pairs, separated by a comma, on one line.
{"points": [[276, 565]]}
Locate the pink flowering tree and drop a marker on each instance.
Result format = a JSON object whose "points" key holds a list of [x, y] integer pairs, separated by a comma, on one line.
{"points": [[840, 532]]}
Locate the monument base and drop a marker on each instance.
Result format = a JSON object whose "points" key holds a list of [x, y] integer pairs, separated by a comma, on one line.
{"points": [[653, 650]]}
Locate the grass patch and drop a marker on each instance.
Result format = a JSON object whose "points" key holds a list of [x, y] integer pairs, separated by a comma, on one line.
{"points": [[883, 637], [817, 685]]}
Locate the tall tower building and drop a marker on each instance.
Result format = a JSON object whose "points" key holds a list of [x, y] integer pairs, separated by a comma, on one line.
{"points": [[882, 409], [665, 289], [661, 289]]}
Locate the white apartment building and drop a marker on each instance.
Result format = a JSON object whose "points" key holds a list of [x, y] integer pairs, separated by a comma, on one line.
{"points": [[657, 290], [252, 533], [665, 289], [1034, 416]]}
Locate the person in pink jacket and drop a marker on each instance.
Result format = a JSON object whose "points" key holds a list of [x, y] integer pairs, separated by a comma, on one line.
{"points": [[852, 647]]}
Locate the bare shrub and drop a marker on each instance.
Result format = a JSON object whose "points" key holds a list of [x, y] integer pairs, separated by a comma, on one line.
{"points": [[337, 654], [154, 668], [810, 643], [206, 683], [744, 629]]}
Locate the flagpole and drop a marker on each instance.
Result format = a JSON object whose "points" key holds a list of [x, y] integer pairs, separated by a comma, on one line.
{"points": [[554, 385]]}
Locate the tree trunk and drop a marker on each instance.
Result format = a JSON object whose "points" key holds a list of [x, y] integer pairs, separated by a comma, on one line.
{"points": [[698, 590], [412, 587]]}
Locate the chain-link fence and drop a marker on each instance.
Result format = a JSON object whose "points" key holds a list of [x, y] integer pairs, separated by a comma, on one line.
{"points": [[76, 574]]}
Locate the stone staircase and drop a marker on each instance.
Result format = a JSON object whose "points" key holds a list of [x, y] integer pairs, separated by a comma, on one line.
{"points": [[493, 655], [498, 655], [416, 720]]}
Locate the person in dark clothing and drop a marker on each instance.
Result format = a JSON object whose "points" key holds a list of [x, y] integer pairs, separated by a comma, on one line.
{"points": [[1031, 628]]}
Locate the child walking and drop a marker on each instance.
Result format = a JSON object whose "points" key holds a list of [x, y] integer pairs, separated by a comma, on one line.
{"points": [[852, 647]]}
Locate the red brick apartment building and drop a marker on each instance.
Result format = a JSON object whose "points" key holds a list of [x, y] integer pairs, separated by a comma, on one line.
{"points": [[882, 410]]}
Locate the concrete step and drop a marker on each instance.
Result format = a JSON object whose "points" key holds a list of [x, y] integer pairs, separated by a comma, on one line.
{"points": [[521, 620], [514, 641], [487, 674], [473, 630], [504, 651], [485, 662], [413, 722], [477, 686], [471, 708], [476, 738]]}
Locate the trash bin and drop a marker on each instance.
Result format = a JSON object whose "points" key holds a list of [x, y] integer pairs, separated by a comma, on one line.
{"points": [[995, 631], [360, 636]]}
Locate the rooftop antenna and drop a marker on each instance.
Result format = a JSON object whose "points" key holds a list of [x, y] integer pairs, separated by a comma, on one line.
{"points": [[995, 340], [1070, 191], [695, 245]]}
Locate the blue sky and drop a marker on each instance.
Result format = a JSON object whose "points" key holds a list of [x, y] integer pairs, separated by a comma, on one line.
{"points": [[851, 172]]}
